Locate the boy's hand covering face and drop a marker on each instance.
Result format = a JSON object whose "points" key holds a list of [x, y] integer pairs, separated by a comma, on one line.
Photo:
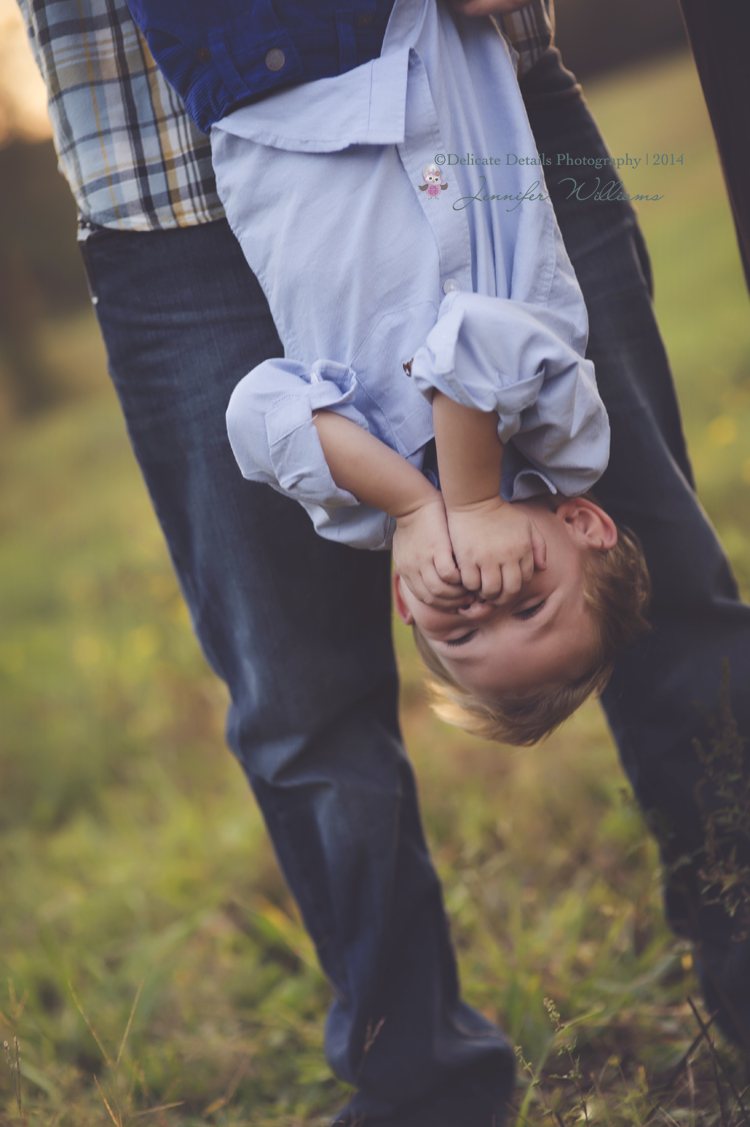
{"points": [[497, 547], [423, 557], [543, 635]]}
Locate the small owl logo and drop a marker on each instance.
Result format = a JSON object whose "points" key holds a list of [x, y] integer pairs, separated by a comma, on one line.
{"points": [[434, 181]]}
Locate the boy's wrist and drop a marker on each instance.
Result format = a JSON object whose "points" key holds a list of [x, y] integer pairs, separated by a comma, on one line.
{"points": [[485, 506], [413, 506]]}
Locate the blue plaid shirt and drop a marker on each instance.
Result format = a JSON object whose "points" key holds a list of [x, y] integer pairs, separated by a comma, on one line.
{"points": [[133, 158]]}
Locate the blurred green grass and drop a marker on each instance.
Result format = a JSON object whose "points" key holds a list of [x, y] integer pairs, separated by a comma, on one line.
{"points": [[130, 847]]}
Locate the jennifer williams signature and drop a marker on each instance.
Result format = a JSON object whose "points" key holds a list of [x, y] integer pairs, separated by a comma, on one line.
{"points": [[610, 193]]}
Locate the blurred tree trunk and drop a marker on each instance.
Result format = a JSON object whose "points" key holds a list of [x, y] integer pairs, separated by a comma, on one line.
{"points": [[29, 383], [40, 269]]}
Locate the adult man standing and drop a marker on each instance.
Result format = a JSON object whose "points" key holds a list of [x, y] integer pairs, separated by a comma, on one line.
{"points": [[298, 627]]}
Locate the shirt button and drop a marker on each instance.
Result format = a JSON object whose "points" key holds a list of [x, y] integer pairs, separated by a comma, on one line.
{"points": [[450, 285], [275, 58], [204, 54], [365, 20]]}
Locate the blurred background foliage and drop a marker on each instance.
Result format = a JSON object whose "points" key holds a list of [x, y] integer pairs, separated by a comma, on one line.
{"points": [[40, 269], [133, 862], [40, 274]]}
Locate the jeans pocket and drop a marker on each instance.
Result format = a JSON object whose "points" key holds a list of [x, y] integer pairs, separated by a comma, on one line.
{"points": [[91, 235], [86, 256]]}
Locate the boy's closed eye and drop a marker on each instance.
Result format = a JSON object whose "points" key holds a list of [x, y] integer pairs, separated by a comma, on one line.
{"points": [[529, 612], [524, 615], [460, 641]]}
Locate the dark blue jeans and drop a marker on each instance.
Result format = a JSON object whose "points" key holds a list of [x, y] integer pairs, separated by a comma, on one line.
{"points": [[299, 628], [664, 690]]}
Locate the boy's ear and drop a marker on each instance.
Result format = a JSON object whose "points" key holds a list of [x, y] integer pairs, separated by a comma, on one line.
{"points": [[402, 609], [592, 527]]}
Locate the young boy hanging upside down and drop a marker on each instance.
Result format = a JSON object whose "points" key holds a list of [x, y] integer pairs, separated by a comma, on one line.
{"points": [[434, 395]]}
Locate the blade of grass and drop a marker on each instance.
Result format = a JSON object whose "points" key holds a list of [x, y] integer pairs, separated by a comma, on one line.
{"points": [[217, 1105], [161, 1107], [629, 1100], [131, 1085], [41, 1081], [19, 1094], [19, 1006], [236, 1079], [715, 1057], [605, 1108], [714, 1066], [682, 1063], [14, 1078], [534, 1072], [691, 1085], [116, 1122], [130, 1022], [92, 1031]]}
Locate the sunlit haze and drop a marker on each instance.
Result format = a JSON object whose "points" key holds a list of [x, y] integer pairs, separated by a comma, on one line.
{"points": [[23, 101]]}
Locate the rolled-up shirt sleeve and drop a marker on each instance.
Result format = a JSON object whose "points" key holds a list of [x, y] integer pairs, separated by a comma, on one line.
{"points": [[271, 429], [517, 359], [275, 442]]}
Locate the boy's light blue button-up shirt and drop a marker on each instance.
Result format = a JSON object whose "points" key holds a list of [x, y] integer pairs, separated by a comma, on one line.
{"points": [[365, 269]]}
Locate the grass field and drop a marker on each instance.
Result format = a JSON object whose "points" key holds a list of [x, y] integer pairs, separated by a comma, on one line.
{"points": [[134, 862]]}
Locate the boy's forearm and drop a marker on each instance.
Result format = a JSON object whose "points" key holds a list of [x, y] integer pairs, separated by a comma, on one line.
{"points": [[366, 467], [469, 453]]}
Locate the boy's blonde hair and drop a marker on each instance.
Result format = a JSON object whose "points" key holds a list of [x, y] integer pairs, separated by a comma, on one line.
{"points": [[616, 589]]}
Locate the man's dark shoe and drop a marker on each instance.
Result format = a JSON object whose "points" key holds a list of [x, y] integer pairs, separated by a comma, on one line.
{"points": [[478, 1098], [724, 973]]}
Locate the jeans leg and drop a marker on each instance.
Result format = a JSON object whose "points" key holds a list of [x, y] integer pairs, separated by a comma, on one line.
{"points": [[719, 47], [299, 628], [657, 699]]}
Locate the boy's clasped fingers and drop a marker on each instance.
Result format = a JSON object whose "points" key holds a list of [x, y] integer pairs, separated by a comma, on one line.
{"points": [[442, 583], [446, 568], [513, 582], [471, 576], [497, 551], [449, 598], [427, 585], [440, 574], [491, 582]]}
